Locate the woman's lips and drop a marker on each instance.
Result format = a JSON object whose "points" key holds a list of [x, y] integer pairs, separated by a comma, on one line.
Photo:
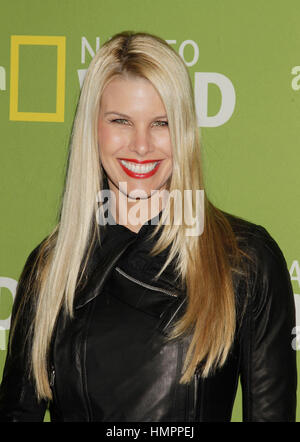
{"points": [[139, 169]]}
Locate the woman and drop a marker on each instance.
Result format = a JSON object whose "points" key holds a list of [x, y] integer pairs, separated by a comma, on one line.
{"points": [[120, 313]]}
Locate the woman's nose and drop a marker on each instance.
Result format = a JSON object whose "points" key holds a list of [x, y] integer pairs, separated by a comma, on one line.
{"points": [[141, 142]]}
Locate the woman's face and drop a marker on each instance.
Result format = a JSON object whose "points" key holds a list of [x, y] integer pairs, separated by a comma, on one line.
{"points": [[133, 137]]}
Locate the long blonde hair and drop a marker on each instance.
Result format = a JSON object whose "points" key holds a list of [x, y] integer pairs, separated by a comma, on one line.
{"points": [[201, 261]]}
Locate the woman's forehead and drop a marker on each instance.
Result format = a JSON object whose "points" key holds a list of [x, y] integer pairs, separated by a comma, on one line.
{"points": [[136, 92]]}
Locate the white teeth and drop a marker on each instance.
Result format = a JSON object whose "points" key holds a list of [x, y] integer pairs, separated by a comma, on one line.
{"points": [[139, 168]]}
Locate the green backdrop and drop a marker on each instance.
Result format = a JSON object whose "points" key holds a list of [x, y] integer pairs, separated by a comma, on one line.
{"points": [[244, 54]]}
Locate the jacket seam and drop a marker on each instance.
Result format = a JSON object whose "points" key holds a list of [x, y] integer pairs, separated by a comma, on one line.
{"points": [[203, 391], [178, 364], [84, 371], [249, 365]]}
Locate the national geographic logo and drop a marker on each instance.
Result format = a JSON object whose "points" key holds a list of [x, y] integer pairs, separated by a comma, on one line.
{"points": [[187, 49], [20, 40]]}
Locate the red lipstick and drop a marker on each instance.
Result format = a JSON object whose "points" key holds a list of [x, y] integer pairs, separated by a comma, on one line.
{"points": [[137, 175]]}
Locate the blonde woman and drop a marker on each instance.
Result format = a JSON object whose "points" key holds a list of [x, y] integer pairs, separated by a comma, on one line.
{"points": [[126, 312]]}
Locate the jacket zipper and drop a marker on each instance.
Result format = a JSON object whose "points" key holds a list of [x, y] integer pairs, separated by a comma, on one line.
{"points": [[143, 284]]}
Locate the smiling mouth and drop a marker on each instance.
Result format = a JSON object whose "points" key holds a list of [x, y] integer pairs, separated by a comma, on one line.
{"points": [[139, 169]]}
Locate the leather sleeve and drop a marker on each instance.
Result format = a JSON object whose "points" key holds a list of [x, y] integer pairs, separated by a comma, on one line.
{"points": [[18, 401], [268, 361]]}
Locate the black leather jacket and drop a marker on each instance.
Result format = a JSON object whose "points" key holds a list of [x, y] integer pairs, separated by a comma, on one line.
{"points": [[111, 362]]}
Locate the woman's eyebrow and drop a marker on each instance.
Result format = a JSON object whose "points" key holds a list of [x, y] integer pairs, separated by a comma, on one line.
{"points": [[127, 116]]}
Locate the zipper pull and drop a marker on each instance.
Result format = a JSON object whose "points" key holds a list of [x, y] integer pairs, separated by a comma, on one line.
{"points": [[52, 376]]}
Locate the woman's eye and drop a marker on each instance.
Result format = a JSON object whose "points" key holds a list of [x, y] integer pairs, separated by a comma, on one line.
{"points": [[162, 123], [123, 121], [118, 120]]}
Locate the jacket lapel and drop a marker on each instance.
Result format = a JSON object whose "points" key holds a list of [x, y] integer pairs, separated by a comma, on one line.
{"points": [[101, 264]]}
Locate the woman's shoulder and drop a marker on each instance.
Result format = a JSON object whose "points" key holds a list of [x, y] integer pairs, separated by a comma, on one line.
{"points": [[32, 257], [254, 239], [29, 274], [268, 278]]}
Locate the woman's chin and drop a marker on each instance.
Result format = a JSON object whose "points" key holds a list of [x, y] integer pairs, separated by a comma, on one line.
{"points": [[138, 191]]}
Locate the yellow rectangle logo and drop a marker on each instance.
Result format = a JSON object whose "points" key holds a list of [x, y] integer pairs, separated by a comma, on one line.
{"points": [[60, 43]]}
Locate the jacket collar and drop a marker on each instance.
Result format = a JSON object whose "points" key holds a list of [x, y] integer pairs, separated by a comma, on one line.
{"points": [[115, 239], [100, 265]]}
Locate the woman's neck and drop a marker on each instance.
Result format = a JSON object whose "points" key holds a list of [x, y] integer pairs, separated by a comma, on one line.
{"points": [[134, 213]]}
